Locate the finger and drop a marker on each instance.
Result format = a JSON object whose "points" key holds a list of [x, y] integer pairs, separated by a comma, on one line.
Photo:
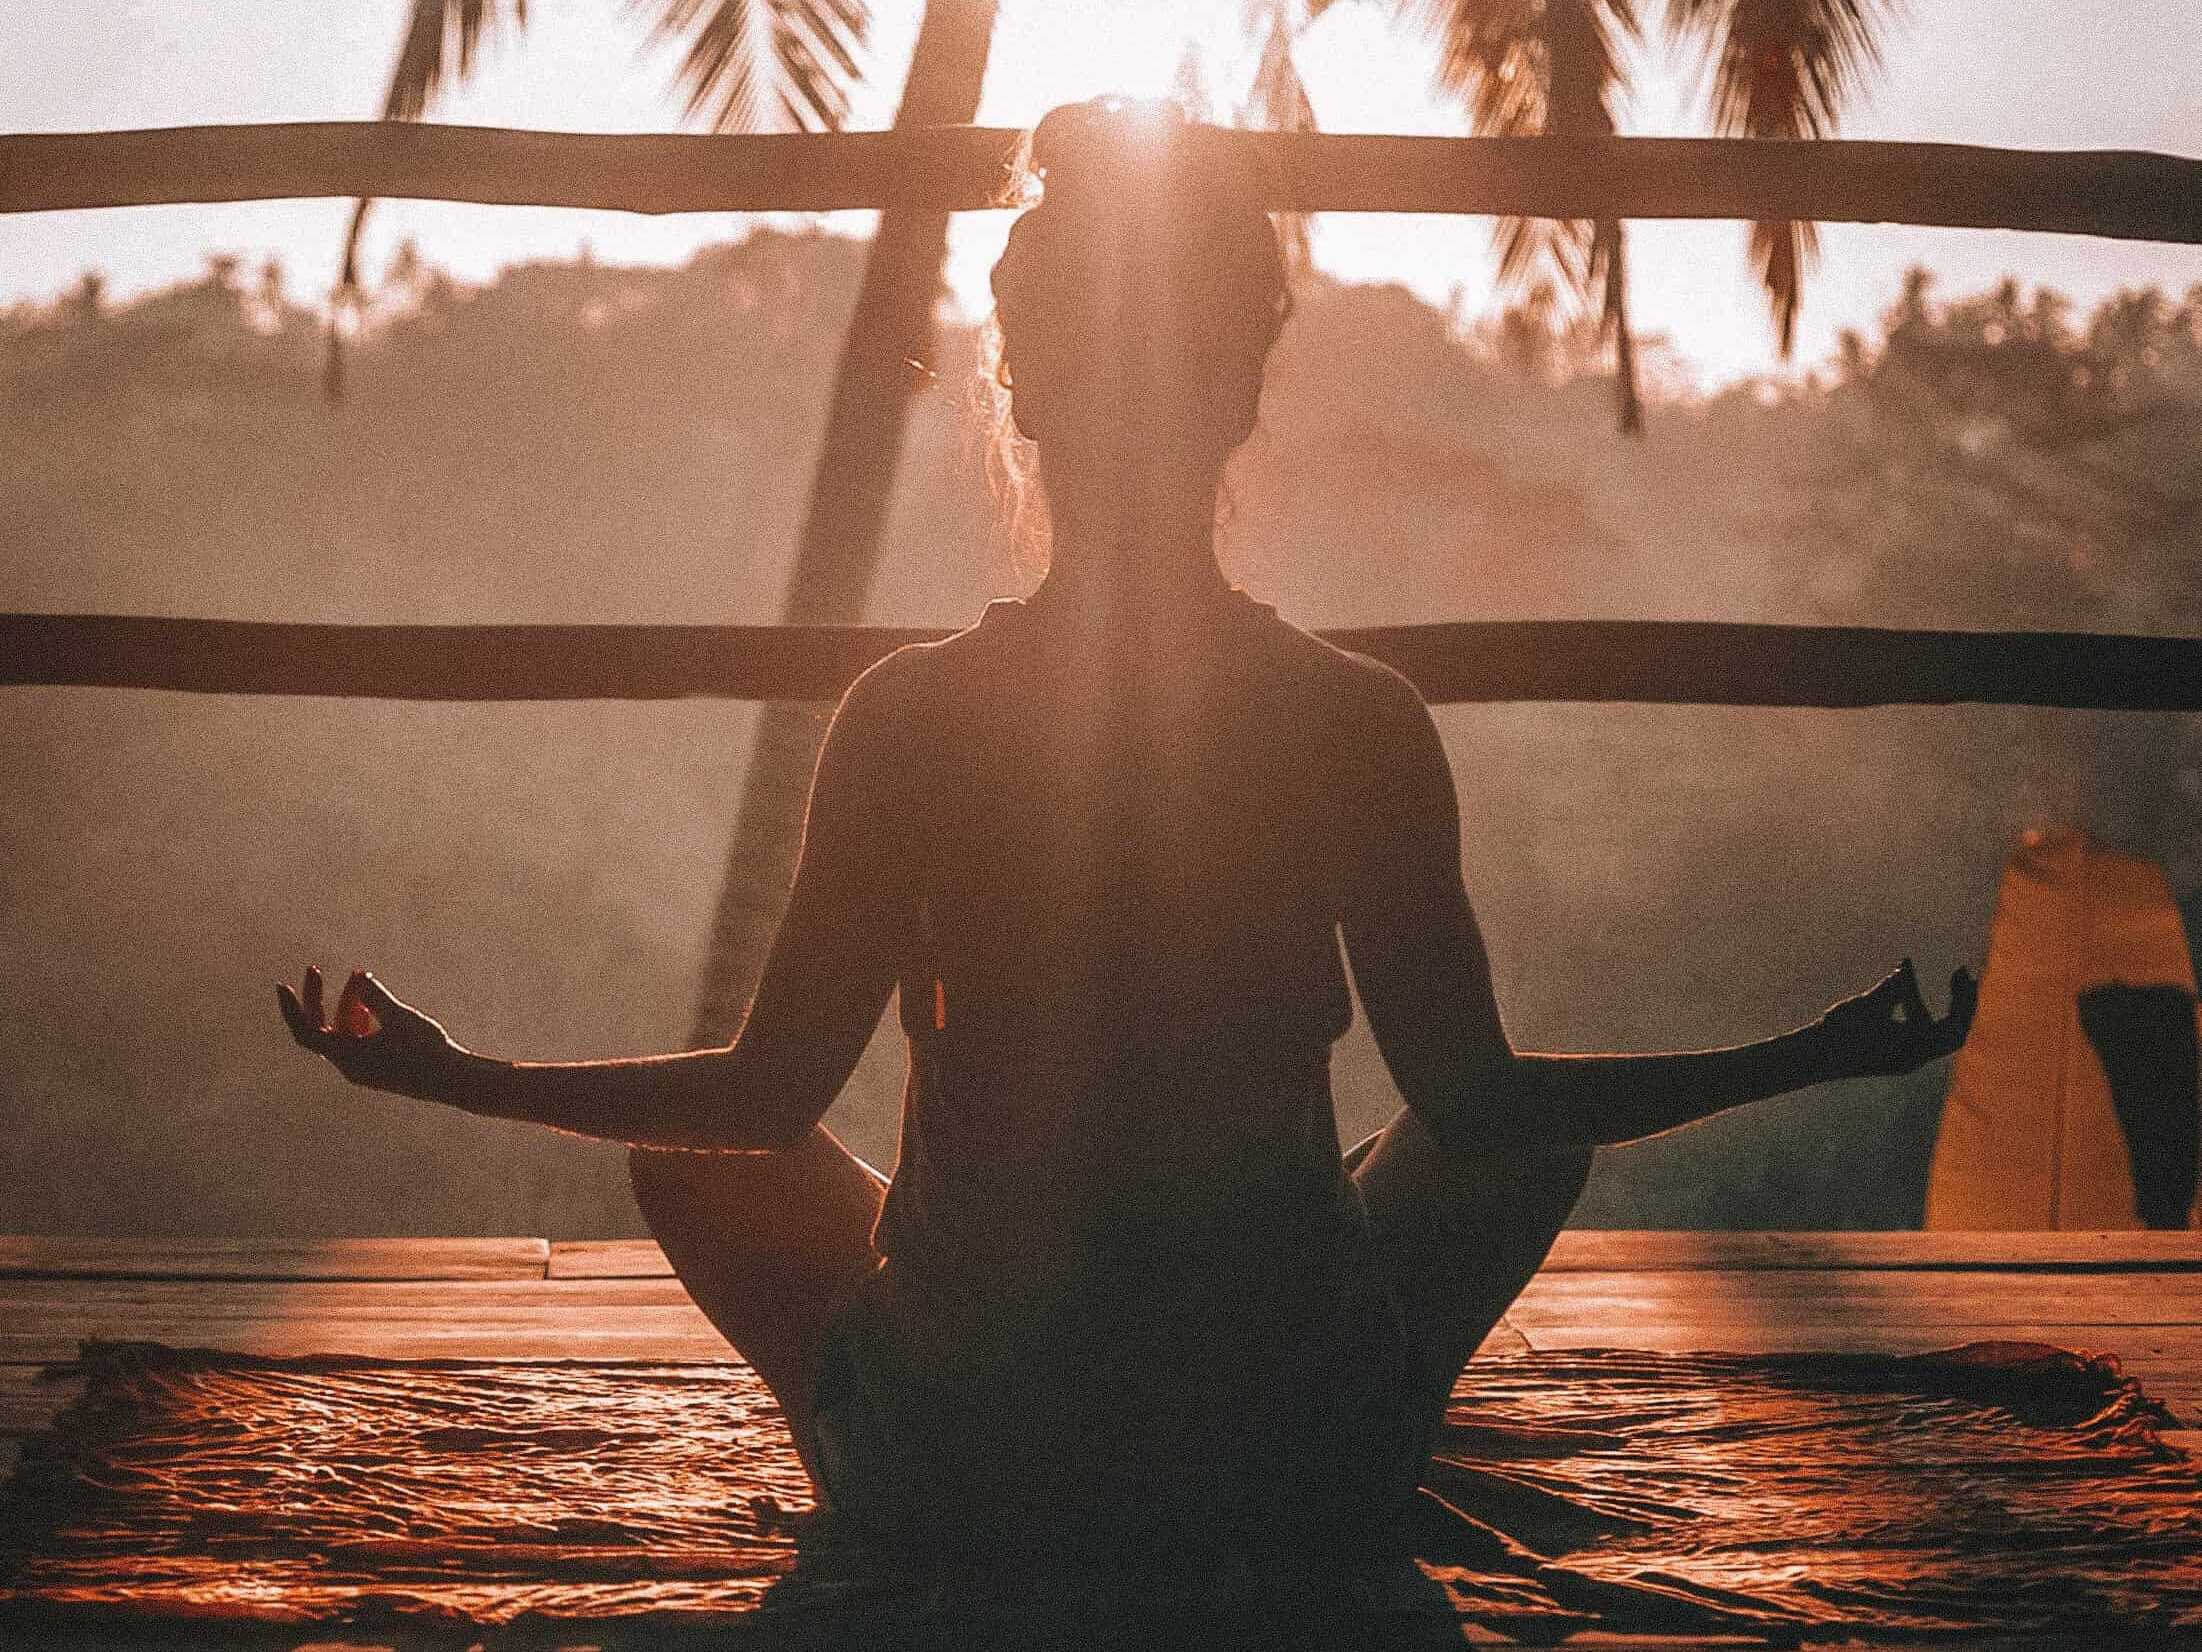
{"points": [[294, 1013], [314, 1014], [1890, 988], [1914, 1003], [1950, 1031], [1964, 996], [353, 1018]]}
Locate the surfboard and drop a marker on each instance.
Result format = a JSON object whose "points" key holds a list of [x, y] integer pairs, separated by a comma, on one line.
{"points": [[2030, 1137]]}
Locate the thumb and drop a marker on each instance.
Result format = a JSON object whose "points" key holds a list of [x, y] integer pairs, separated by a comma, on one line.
{"points": [[364, 1007], [378, 998], [394, 1015]]}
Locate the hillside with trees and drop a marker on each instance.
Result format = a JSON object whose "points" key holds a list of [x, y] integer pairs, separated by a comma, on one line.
{"points": [[582, 441]]}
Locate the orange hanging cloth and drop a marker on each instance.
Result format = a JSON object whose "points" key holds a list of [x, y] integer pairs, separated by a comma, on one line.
{"points": [[2031, 1137]]}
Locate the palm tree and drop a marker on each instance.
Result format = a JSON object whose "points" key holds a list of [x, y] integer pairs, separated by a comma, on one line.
{"points": [[1528, 68], [1783, 69], [838, 556], [802, 79], [1524, 68], [1547, 68]]}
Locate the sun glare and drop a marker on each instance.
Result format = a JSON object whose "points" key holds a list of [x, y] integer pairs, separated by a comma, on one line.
{"points": [[1050, 54]]}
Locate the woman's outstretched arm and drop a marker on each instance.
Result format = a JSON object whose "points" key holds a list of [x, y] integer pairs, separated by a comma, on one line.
{"points": [[825, 984], [1424, 976]]}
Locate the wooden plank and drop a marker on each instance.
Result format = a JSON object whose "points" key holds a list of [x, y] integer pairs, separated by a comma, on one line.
{"points": [[69, 1257], [670, 1337], [1583, 1250], [1661, 662], [455, 1299], [2123, 194], [612, 1312], [46, 1319], [31, 1394], [1504, 1339], [1616, 1250], [1879, 1297], [1578, 1250], [607, 1259], [540, 1319]]}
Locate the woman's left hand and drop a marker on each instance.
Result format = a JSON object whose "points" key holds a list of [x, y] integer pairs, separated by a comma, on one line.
{"points": [[378, 1040], [1888, 1030]]}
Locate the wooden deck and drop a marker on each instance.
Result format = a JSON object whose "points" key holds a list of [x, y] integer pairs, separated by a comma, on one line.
{"points": [[2136, 1295]]}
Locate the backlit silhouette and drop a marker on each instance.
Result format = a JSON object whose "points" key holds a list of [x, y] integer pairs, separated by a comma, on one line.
{"points": [[1105, 845]]}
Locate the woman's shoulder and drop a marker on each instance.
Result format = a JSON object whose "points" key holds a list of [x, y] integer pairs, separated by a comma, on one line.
{"points": [[910, 669], [1360, 685], [915, 687]]}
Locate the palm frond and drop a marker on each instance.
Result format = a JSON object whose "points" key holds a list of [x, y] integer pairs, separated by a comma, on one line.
{"points": [[1529, 68], [751, 64], [443, 38], [1542, 68], [1784, 69], [443, 41], [1189, 84], [1783, 252], [1278, 102]]}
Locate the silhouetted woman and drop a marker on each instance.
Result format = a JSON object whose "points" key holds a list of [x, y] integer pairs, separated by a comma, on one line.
{"points": [[1104, 845]]}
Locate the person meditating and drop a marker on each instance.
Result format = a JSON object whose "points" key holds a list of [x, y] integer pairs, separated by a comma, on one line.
{"points": [[1123, 1288]]}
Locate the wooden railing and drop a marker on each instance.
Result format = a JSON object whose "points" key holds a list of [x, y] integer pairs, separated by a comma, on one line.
{"points": [[1660, 662], [2120, 194], [2130, 195]]}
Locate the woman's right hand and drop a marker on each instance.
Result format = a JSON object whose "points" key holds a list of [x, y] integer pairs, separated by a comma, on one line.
{"points": [[377, 1040]]}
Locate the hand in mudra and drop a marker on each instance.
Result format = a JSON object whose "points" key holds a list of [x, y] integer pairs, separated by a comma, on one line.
{"points": [[376, 1039], [1889, 1030]]}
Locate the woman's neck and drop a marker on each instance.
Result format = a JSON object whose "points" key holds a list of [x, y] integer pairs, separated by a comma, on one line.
{"points": [[1131, 577], [1149, 545]]}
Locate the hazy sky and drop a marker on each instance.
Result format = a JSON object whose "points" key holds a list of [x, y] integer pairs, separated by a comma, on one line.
{"points": [[2036, 73]]}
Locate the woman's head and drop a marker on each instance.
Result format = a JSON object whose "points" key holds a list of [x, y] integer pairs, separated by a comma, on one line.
{"points": [[1139, 298]]}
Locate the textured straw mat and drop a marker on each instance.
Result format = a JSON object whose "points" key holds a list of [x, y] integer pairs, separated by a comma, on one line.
{"points": [[1999, 1489]]}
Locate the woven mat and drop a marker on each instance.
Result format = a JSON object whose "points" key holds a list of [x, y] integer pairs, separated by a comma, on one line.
{"points": [[1995, 1489]]}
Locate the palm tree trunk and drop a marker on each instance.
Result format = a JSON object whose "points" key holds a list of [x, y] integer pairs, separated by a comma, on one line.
{"points": [[839, 553], [1629, 401]]}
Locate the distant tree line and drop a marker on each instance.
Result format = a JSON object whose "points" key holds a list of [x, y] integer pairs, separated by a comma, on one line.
{"points": [[577, 440]]}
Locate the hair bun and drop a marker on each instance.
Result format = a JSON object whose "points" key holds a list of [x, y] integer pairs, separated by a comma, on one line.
{"points": [[1097, 145]]}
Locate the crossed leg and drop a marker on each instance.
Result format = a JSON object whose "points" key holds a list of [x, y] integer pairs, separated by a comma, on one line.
{"points": [[1458, 1235], [770, 1246]]}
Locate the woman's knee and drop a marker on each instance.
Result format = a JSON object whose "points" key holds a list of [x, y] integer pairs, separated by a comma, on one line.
{"points": [[651, 1173], [669, 1183], [813, 1197]]}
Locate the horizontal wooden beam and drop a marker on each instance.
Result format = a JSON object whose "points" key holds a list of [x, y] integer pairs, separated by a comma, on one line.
{"points": [[2130, 195], [1647, 661], [39, 1256]]}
